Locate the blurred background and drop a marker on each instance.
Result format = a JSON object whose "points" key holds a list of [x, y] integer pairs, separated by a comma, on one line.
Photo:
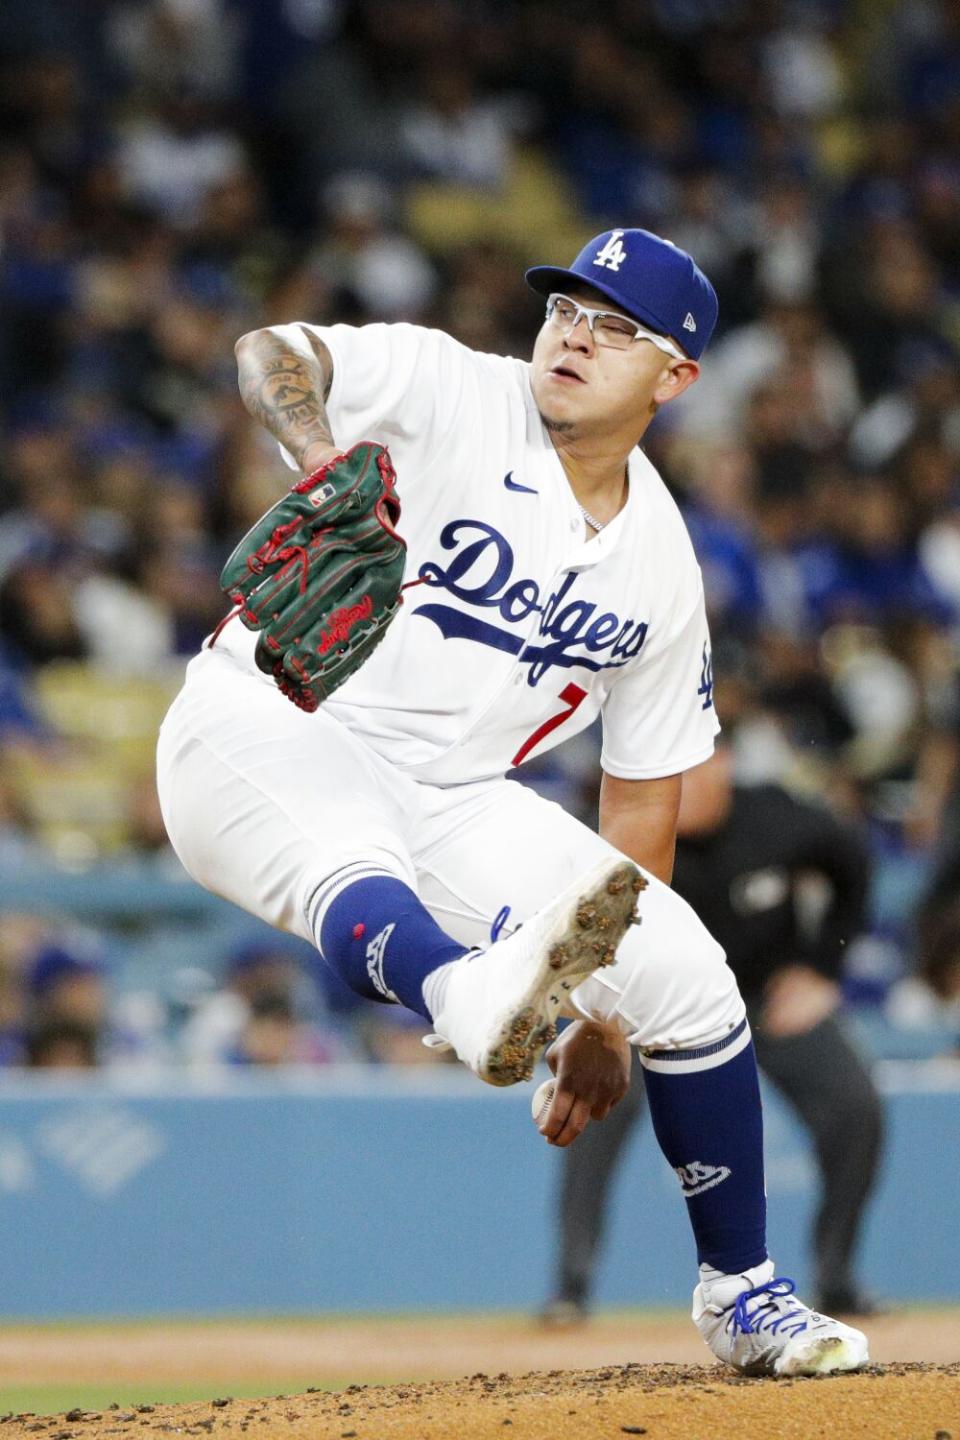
{"points": [[175, 172]]}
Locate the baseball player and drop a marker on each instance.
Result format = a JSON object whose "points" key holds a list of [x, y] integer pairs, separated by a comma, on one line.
{"points": [[548, 580]]}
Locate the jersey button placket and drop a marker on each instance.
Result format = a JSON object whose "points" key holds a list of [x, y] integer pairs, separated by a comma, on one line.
{"points": [[536, 617], [536, 620]]}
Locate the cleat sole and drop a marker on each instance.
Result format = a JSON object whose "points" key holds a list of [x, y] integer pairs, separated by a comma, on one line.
{"points": [[586, 939]]}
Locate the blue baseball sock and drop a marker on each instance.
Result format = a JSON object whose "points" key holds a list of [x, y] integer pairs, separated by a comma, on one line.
{"points": [[382, 941], [709, 1125]]}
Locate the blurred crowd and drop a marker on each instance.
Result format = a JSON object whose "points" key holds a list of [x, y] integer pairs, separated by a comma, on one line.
{"points": [[65, 1004], [174, 172]]}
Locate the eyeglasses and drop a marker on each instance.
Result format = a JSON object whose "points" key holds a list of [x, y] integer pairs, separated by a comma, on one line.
{"points": [[606, 326]]}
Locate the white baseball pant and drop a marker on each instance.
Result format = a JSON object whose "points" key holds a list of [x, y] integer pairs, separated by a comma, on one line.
{"points": [[264, 804]]}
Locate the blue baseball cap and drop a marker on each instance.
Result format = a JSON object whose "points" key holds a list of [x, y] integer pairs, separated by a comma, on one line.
{"points": [[53, 963], [651, 279]]}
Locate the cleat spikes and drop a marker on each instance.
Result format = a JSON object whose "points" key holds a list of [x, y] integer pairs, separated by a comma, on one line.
{"points": [[500, 1011]]}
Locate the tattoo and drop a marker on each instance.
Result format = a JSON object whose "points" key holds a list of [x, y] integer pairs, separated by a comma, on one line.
{"points": [[285, 392]]}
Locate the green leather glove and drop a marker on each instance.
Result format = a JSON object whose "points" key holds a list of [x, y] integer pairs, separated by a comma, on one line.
{"points": [[319, 574]]}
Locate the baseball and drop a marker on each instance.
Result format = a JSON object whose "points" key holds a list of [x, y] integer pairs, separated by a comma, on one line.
{"points": [[542, 1097]]}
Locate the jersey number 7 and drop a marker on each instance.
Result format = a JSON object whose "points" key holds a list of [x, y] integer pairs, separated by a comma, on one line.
{"points": [[572, 696]]}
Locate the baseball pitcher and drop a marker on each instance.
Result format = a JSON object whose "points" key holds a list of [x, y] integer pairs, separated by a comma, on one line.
{"points": [[336, 760]]}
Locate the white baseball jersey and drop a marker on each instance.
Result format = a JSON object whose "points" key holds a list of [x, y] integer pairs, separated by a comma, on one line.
{"points": [[523, 630]]}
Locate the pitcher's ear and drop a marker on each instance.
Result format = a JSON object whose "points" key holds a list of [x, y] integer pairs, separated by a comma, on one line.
{"points": [[679, 377]]}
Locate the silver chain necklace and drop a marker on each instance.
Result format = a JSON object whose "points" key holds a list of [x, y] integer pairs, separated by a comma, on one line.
{"points": [[594, 524]]}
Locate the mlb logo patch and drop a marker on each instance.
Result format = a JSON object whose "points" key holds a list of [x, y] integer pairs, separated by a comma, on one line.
{"points": [[322, 494]]}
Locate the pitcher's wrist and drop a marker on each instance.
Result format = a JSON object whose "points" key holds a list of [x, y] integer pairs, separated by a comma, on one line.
{"points": [[320, 453]]}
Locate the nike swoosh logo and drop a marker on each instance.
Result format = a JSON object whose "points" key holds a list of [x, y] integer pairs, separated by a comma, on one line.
{"points": [[512, 484]]}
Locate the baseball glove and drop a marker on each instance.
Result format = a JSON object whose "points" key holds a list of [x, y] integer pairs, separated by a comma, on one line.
{"points": [[319, 574]]}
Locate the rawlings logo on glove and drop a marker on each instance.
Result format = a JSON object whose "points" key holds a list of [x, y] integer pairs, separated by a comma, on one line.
{"points": [[343, 621], [319, 575]]}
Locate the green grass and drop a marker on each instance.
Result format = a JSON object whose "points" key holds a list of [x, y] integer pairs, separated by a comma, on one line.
{"points": [[56, 1399]]}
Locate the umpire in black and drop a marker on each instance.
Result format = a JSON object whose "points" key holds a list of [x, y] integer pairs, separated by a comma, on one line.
{"points": [[742, 856]]}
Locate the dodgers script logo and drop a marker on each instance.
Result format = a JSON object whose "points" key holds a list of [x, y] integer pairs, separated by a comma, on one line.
{"points": [[481, 574]]}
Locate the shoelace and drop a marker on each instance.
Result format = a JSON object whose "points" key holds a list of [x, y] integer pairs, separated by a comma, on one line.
{"points": [[775, 1292]]}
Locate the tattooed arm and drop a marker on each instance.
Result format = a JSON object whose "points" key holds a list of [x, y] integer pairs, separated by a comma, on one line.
{"points": [[284, 376]]}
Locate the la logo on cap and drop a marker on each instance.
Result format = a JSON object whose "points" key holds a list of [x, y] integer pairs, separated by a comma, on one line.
{"points": [[613, 254]]}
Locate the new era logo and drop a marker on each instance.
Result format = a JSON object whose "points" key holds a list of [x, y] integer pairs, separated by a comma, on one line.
{"points": [[689, 323], [697, 1177]]}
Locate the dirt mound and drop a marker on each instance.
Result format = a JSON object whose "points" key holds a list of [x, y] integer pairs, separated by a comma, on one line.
{"points": [[663, 1402]]}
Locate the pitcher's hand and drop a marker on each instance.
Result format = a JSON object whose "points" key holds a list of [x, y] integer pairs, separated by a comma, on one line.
{"points": [[592, 1065]]}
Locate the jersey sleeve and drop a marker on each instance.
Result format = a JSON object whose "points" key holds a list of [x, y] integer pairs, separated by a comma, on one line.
{"points": [[399, 385], [659, 718]]}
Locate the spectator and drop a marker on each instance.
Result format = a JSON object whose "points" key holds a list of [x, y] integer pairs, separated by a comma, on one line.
{"points": [[451, 133], [68, 984], [260, 1015], [72, 1011], [173, 155], [67, 1011], [373, 270]]}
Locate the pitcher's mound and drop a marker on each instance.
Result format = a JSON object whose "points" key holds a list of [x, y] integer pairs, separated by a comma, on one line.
{"points": [[663, 1402]]}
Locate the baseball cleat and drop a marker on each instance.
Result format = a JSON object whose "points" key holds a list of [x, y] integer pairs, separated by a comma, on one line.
{"points": [[756, 1324], [501, 1004]]}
